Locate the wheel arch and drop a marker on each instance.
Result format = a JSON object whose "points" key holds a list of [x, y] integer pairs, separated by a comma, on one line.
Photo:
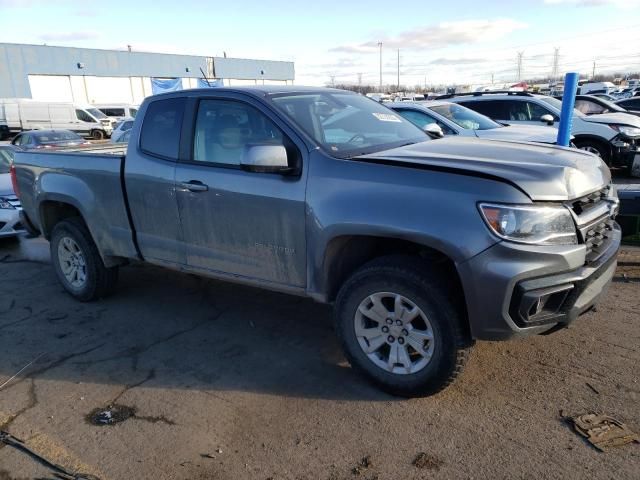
{"points": [[345, 254]]}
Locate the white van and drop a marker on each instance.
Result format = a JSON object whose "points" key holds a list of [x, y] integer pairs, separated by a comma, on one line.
{"points": [[119, 111], [25, 114], [586, 88]]}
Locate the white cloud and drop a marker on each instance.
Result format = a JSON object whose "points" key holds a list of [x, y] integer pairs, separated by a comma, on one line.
{"points": [[68, 36], [625, 4], [441, 35]]}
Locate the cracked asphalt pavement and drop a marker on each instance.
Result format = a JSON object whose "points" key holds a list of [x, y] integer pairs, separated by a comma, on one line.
{"points": [[229, 382]]}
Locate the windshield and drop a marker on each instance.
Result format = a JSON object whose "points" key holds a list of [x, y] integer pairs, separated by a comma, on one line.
{"points": [[465, 117], [6, 157], [96, 113], [348, 124], [554, 102]]}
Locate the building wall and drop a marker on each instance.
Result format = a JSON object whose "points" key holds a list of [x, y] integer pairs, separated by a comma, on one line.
{"points": [[106, 76]]}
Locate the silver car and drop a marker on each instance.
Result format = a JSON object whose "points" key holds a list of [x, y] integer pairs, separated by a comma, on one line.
{"points": [[454, 119], [9, 204]]}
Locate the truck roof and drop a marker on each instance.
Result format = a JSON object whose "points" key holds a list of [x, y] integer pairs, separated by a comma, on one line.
{"points": [[258, 90]]}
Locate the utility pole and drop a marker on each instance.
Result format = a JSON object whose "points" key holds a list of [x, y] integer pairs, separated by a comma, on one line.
{"points": [[593, 72], [491, 78], [398, 69], [556, 59], [519, 76], [380, 46], [333, 80], [359, 82]]}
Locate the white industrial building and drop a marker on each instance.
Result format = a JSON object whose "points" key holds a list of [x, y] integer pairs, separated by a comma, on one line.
{"points": [[81, 75]]}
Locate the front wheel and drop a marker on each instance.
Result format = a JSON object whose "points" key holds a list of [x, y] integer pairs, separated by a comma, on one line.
{"points": [[97, 135], [400, 329], [77, 262], [594, 147]]}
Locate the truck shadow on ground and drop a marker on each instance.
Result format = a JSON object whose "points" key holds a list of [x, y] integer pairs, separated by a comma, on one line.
{"points": [[189, 331]]}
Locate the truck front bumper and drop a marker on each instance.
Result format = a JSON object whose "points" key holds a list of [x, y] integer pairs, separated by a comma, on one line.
{"points": [[516, 290]]}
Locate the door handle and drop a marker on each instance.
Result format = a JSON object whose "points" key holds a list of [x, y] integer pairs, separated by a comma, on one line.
{"points": [[194, 186]]}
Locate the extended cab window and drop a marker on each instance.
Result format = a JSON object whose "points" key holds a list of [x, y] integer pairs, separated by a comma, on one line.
{"points": [[224, 129], [161, 127]]}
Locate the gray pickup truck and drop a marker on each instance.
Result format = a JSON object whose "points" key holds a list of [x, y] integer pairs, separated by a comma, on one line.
{"points": [[422, 246]]}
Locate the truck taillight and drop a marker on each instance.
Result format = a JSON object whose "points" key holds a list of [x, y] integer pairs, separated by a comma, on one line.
{"points": [[14, 180]]}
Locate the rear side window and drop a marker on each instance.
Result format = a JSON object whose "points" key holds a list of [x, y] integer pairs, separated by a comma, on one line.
{"points": [[496, 109], [161, 126], [113, 112]]}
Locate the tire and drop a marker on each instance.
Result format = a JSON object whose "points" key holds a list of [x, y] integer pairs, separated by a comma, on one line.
{"points": [[97, 135], [418, 285], [593, 146], [73, 248]]}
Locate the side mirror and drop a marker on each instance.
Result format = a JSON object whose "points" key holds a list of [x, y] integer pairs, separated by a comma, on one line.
{"points": [[546, 118], [266, 159], [433, 130]]}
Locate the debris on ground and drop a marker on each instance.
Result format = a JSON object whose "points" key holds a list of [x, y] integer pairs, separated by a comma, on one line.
{"points": [[6, 382], [594, 389], [111, 415], [364, 463], [60, 471], [428, 462], [603, 431]]}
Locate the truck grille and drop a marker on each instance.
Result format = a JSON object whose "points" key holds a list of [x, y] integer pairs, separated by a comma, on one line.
{"points": [[583, 204], [595, 222], [596, 238]]}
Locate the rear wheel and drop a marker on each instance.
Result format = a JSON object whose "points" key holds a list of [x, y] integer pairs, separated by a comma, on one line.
{"points": [[399, 328], [77, 262]]}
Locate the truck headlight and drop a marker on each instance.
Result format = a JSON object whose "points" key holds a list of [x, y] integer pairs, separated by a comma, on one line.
{"points": [[532, 224], [627, 130], [5, 205]]}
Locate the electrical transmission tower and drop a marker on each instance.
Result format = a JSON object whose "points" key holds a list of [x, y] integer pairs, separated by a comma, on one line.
{"points": [[519, 76], [556, 60]]}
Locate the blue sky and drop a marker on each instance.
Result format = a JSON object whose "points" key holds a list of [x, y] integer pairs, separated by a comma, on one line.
{"points": [[440, 42]]}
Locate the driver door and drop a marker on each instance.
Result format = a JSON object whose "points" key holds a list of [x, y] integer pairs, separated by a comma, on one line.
{"points": [[236, 222]]}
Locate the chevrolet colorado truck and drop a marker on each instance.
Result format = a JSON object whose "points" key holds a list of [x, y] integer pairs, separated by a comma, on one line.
{"points": [[423, 247]]}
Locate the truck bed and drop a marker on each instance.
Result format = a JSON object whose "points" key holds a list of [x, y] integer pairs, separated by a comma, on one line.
{"points": [[89, 179]]}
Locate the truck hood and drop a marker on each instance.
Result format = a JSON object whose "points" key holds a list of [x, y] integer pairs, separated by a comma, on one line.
{"points": [[524, 133], [544, 173], [614, 117]]}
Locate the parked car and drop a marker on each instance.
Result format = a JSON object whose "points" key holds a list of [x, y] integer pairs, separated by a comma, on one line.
{"points": [[10, 224], [25, 114], [118, 111], [614, 137], [585, 88], [47, 139], [631, 104], [120, 128], [592, 105], [421, 246], [454, 119]]}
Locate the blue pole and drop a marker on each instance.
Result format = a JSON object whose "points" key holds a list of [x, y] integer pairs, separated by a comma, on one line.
{"points": [[566, 114]]}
